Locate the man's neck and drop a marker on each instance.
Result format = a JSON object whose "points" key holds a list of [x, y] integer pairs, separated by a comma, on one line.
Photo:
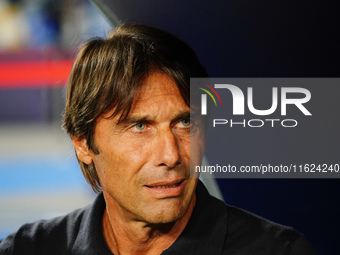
{"points": [[137, 237]]}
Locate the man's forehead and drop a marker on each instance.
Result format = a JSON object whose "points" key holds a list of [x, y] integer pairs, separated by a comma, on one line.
{"points": [[156, 85], [156, 91]]}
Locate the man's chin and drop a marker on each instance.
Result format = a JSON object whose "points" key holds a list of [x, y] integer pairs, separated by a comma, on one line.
{"points": [[170, 211], [166, 216]]}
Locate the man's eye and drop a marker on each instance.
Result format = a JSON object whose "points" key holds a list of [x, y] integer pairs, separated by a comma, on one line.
{"points": [[185, 122], [140, 126]]}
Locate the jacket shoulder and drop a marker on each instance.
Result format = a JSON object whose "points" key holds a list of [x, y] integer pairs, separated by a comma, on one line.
{"points": [[253, 234], [44, 236]]}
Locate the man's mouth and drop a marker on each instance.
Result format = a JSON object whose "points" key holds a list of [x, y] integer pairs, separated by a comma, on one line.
{"points": [[166, 189], [165, 186]]}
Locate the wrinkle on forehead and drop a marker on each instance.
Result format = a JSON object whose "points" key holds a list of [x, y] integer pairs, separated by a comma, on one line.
{"points": [[159, 96], [158, 88]]}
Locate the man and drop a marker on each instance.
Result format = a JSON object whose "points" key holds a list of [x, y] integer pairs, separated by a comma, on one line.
{"points": [[128, 114]]}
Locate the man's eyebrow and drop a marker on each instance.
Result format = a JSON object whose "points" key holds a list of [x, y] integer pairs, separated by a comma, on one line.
{"points": [[183, 115], [145, 118], [134, 119]]}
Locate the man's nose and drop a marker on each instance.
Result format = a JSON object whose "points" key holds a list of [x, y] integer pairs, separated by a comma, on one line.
{"points": [[167, 150]]}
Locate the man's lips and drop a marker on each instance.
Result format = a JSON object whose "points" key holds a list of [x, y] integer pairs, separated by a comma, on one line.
{"points": [[165, 185], [166, 189]]}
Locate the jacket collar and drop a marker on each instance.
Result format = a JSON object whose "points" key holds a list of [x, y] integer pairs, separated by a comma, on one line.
{"points": [[206, 229], [90, 239], [205, 232]]}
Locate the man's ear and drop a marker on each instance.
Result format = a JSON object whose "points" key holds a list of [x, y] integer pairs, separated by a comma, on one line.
{"points": [[83, 152]]}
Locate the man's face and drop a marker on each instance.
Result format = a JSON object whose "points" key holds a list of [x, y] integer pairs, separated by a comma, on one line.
{"points": [[144, 161]]}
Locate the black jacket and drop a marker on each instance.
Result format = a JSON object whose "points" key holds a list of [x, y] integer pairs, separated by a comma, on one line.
{"points": [[213, 229]]}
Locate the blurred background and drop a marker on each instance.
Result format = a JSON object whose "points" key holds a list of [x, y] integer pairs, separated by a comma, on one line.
{"points": [[39, 175]]}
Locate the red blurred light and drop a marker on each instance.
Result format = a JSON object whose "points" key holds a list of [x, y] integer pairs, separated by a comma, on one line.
{"points": [[35, 74]]}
